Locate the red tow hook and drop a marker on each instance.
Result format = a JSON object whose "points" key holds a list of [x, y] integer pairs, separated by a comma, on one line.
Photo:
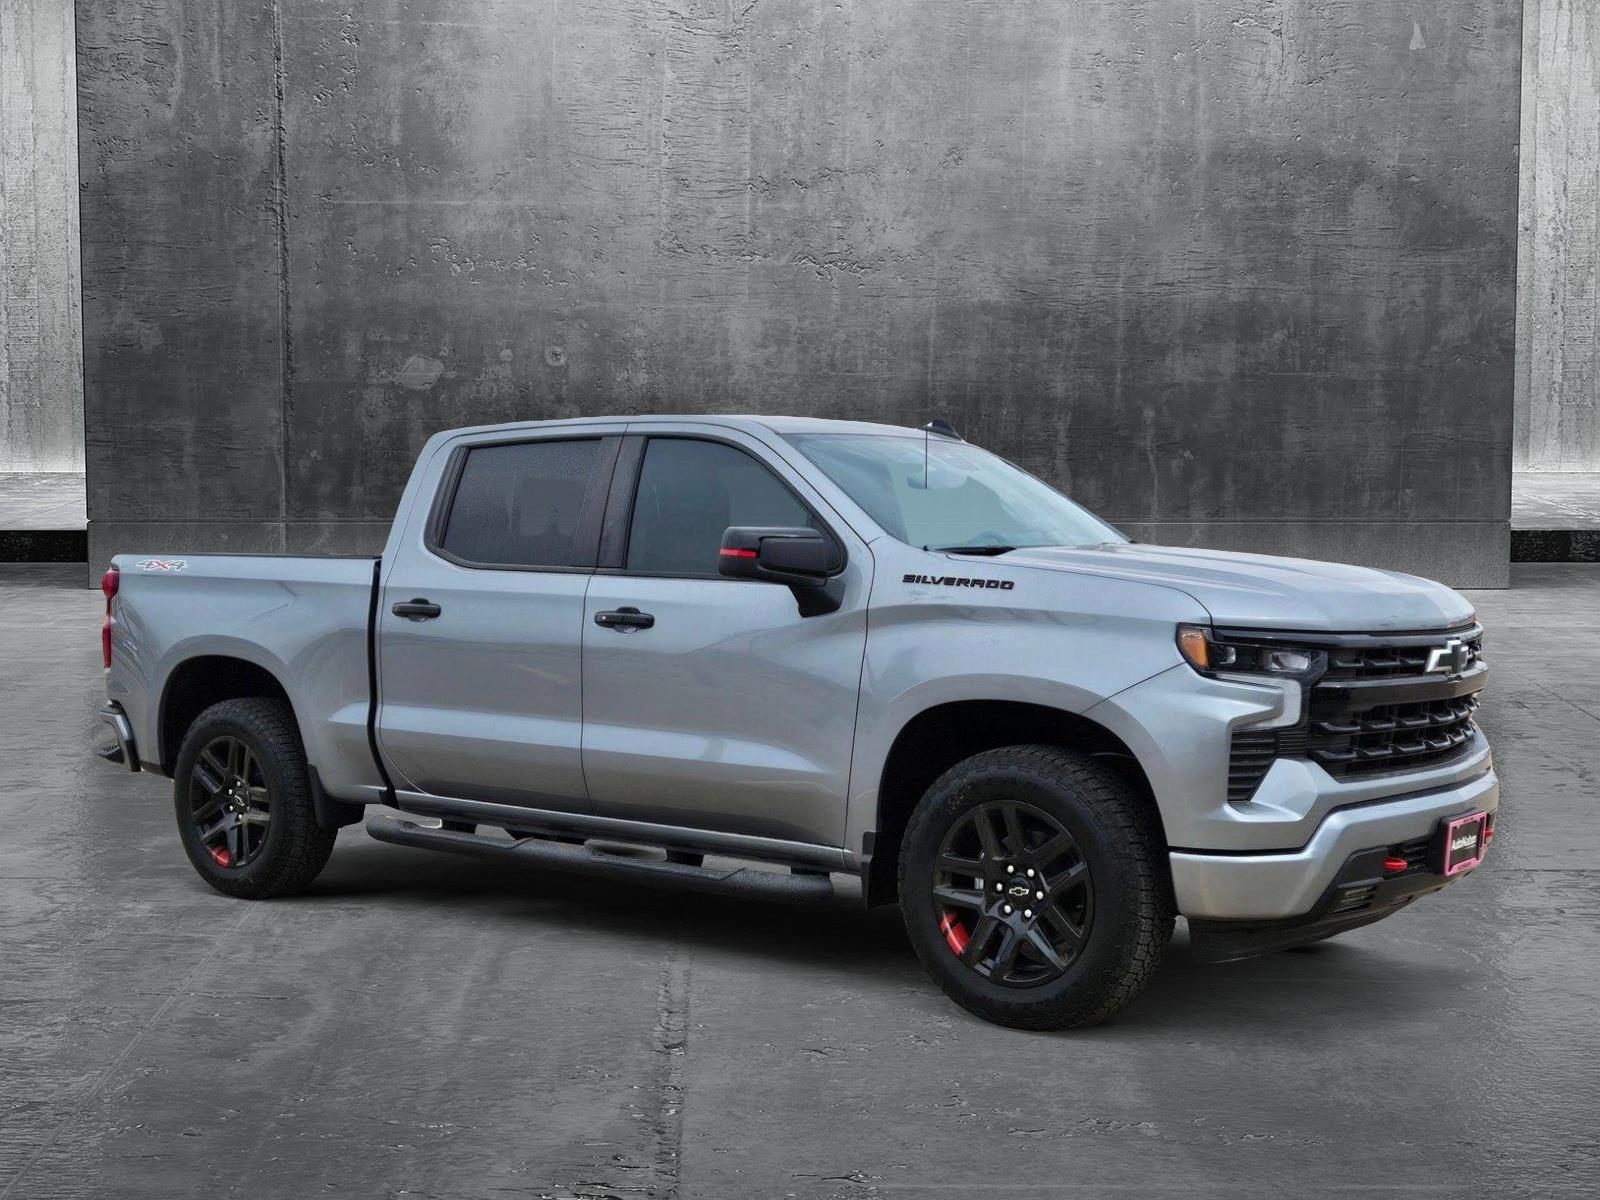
{"points": [[955, 935]]}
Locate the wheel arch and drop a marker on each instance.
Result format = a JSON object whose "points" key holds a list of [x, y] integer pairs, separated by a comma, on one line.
{"points": [[938, 737], [198, 682]]}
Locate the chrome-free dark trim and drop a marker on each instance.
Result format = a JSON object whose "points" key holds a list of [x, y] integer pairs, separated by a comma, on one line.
{"points": [[1378, 637], [707, 841], [1335, 697], [737, 882]]}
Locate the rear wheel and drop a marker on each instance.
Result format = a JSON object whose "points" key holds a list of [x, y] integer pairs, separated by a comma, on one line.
{"points": [[1033, 889], [242, 795]]}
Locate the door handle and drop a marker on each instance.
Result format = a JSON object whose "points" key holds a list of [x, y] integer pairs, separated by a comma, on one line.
{"points": [[416, 609], [624, 620]]}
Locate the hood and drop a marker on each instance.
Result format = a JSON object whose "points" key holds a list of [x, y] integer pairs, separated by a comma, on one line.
{"points": [[1266, 592]]}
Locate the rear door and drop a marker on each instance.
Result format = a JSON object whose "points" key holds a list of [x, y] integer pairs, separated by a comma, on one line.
{"points": [[480, 623], [730, 711]]}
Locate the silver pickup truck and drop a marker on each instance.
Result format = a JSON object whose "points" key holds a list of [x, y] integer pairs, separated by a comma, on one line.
{"points": [[745, 655]]}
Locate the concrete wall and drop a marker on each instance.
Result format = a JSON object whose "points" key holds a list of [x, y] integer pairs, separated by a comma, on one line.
{"points": [[1558, 313], [41, 349], [1233, 273]]}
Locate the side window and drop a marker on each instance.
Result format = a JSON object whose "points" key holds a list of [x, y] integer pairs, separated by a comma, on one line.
{"points": [[518, 505], [689, 493]]}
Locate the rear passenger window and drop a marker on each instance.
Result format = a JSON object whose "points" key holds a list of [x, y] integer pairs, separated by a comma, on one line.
{"points": [[689, 493], [518, 505]]}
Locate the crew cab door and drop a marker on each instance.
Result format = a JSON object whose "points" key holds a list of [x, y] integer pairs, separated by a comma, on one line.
{"points": [[480, 622], [711, 702]]}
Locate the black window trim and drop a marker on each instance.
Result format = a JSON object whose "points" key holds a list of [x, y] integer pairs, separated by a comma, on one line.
{"points": [[624, 493], [585, 538]]}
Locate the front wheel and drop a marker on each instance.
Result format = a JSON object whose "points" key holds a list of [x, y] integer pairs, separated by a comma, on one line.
{"points": [[1033, 886], [243, 799]]}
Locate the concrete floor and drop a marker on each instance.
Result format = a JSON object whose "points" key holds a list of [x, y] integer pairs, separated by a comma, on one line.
{"points": [[42, 500], [428, 1026], [1555, 500]]}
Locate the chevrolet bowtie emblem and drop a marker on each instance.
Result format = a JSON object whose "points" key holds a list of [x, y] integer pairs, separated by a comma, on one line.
{"points": [[1454, 657]]}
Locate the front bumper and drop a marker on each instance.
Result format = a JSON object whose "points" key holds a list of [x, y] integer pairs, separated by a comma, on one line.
{"points": [[1271, 886], [1178, 725], [1366, 889]]}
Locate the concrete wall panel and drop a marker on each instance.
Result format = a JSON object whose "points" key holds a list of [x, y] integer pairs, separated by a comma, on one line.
{"points": [[1558, 315], [181, 263], [1200, 263], [41, 348]]}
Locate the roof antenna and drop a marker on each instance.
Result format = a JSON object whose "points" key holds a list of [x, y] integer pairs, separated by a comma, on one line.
{"points": [[944, 429]]}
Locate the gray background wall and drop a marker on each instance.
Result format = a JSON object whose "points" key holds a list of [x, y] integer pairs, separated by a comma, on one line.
{"points": [[1558, 334], [41, 382], [1233, 273]]}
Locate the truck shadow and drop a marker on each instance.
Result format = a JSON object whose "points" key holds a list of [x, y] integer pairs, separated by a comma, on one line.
{"points": [[1326, 985]]}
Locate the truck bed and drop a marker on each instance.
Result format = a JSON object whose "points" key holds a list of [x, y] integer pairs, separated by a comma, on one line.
{"points": [[304, 618]]}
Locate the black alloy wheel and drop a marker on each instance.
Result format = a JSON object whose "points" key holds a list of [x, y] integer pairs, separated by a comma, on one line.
{"points": [[1035, 887], [242, 793], [230, 802], [1015, 893]]}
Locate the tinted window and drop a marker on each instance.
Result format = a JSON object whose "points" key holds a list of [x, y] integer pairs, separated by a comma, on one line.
{"points": [[518, 505], [689, 493]]}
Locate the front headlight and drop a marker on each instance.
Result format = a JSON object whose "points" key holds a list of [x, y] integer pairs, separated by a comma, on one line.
{"points": [[1211, 654]]}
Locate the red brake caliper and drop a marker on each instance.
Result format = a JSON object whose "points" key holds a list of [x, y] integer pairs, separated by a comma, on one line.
{"points": [[955, 935], [219, 855]]}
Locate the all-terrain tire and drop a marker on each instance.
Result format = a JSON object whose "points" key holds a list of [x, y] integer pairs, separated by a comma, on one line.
{"points": [[294, 848], [1129, 913]]}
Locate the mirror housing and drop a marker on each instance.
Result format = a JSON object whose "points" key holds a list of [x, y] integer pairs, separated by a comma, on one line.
{"points": [[806, 560]]}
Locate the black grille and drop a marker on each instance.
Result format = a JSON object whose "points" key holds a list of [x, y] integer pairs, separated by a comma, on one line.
{"points": [[1252, 756], [1352, 899], [1393, 737], [1380, 662], [1253, 753], [1374, 710]]}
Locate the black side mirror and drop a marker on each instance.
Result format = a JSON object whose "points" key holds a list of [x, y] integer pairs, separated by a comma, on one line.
{"points": [[806, 560]]}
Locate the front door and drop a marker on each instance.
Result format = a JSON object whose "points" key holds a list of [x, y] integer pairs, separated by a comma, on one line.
{"points": [[719, 707], [480, 625]]}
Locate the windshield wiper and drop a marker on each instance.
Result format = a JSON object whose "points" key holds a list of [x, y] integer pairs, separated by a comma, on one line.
{"points": [[986, 551]]}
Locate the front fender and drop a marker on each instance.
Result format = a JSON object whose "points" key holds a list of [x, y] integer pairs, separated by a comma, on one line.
{"points": [[1052, 639]]}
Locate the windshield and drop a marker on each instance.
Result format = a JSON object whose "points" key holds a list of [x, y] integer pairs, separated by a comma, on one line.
{"points": [[940, 494]]}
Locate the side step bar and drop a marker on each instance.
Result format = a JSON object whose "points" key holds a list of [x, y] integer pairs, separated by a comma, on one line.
{"points": [[744, 882]]}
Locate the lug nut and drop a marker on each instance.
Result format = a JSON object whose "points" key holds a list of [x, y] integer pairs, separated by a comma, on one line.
{"points": [[999, 887], [1038, 895], [1011, 870], [1008, 910], [1030, 872], [1028, 912]]}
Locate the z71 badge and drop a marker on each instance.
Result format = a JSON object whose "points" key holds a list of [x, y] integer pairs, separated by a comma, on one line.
{"points": [[162, 564], [1005, 585]]}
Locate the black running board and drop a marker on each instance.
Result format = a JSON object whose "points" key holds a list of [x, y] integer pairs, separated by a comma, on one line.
{"points": [[744, 882]]}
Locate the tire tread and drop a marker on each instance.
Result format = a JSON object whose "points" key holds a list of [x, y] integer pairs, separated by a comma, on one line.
{"points": [[1136, 845], [303, 845]]}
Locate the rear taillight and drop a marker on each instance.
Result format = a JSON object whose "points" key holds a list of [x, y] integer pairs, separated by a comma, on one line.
{"points": [[108, 585]]}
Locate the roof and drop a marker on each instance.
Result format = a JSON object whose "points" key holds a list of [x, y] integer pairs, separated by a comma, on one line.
{"points": [[748, 422]]}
